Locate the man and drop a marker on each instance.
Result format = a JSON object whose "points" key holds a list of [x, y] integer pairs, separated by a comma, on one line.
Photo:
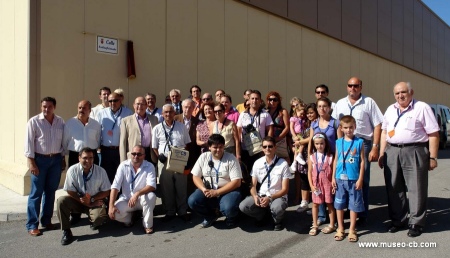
{"points": [[103, 95], [81, 131], [45, 159], [270, 186], [241, 107], [256, 119], [175, 97], [196, 93], [110, 120], [322, 91], [368, 126], [87, 185], [137, 130], [219, 94], [173, 185], [217, 175], [151, 107], [136, 177], [409, 148], [206, 98], [230, 112], [191, 123]]}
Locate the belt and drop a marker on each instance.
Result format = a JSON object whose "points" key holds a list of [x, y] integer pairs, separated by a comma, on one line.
{"points": [[418, 144], [47, 155], [110, 147]]}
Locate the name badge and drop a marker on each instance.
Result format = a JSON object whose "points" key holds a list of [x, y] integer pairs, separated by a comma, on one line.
{"points": [[391, 133], [344, 177], [110, 132]]}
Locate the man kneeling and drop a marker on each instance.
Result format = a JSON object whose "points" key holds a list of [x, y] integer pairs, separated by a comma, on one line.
{"points": [[136, 177], [87, 185], [270, 185], [222, 176]]}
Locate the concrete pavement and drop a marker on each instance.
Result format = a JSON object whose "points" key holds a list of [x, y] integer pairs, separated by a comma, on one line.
{"points": [[179, 239]]}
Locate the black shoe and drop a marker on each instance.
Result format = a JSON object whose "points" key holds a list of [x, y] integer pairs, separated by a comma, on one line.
{"points": [[168, 218], [278, 227], [186, 217], [67, 237], [414, 230], [393, 228], [95, 227], [75, 218], [260, 223], [230, 222]]}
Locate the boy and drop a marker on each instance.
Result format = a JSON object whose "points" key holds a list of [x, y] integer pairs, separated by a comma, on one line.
{"points": [[348, 174]]}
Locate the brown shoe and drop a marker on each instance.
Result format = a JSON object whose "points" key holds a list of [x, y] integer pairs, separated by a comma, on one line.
{"points": [[49, 226], [34, 232]]}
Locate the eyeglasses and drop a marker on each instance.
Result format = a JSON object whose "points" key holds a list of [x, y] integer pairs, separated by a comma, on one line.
{"points": [[137, 154], [272, 99], [218, 111], [113, 100], [267, 146], [321, 92], [206, 99], [353, 86]]}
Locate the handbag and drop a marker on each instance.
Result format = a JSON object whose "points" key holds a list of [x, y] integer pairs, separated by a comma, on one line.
{"points": [[282, 150], [253, 142], [177, 159]]}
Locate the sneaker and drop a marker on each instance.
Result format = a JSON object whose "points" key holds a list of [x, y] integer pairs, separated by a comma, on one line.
{"points": [[293, 167], [208, 222], [304, 204], [300, 160]]}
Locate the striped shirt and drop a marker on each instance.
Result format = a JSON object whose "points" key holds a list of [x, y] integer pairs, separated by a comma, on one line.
{"points": [[43, 137]]}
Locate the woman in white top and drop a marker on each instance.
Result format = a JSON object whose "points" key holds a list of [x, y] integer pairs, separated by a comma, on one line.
{"points": [[228, 130]]}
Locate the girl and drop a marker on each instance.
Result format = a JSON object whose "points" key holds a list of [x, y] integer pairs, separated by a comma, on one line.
{"points": [[319, 177], [298, 126]]}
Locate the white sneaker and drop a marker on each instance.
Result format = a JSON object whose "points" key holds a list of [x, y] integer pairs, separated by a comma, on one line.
{"points": [[304, 204], [300, 160], [293, 167]]}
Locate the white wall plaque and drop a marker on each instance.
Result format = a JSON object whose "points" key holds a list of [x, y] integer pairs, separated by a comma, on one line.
{"points": [[107, 45]]}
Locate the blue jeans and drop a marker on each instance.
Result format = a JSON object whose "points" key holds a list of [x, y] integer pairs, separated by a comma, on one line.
{"points": [[228, 204], [322, 212], [43, 186], [366, 184]]}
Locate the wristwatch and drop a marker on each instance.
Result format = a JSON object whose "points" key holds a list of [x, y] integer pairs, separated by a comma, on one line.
{"points": [[375, 145], [92, 199], [435, 159]]}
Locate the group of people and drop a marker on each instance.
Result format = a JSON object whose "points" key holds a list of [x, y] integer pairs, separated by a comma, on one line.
{"points": [[240, 159]]}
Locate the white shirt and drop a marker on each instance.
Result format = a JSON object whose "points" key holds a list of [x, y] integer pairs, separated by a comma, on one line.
{"points": [[95, 110], [96, 182], [179, 136], [158, 113], [260, 122], [365, 111], [124, 178], [43, 137], [78, 136], [279, 173], [224, 171]]}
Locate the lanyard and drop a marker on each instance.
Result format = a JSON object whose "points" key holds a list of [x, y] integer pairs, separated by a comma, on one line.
{"points": [[133, 178], [268, 170], [252, 118], [348, 151], [319, 168], [87, 178], [154, 111], [115, 117], [328, 126], [217, 171], [351, 108], [168, 135], [402, 113]]}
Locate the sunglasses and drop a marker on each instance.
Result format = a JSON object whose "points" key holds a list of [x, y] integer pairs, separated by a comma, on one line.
{"points": [[137, 154], [353, 86], [273, 99], [218, 111], [267, 146], [321, 92], [113, 100]]}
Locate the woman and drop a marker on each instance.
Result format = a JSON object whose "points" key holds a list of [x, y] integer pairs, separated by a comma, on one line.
{"points": [[325, 124], [228, 130], [205, 127], [230, 113], [295, 102], [280, 118]]}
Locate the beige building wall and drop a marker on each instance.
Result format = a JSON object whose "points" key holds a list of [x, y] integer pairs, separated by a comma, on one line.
{"points": [[177, 43]]}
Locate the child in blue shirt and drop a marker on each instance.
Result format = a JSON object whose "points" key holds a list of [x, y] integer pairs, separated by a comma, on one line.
{"points": [[348, 174]]}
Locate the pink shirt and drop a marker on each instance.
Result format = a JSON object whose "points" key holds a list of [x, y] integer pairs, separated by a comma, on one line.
{"points": [[232, 115], [417, 122], [298, 124]]}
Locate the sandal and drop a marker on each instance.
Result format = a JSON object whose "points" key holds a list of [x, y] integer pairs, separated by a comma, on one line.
{"points": [[148, 230], [339, 236], [352, 237], [314, 231], [328, 229]]}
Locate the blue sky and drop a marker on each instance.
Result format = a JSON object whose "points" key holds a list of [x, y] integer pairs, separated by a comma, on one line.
{"points": [[441, 8]]}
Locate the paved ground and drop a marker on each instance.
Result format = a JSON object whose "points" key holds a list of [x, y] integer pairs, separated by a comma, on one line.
{"points": [[179, 239]]}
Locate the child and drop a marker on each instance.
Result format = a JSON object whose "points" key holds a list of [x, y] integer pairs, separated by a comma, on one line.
{"points": [[320, 176], [348, 174], [298, 126]]}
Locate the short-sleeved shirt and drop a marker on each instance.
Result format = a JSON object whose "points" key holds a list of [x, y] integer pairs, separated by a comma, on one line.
{"points": [[224, 171], [110, 123], [330, 131], [365, 111], [260, 121], [157, 112], [93, 183], [279, 173], [177, 133], [416, 123], [125, 175], [352, 159]]}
